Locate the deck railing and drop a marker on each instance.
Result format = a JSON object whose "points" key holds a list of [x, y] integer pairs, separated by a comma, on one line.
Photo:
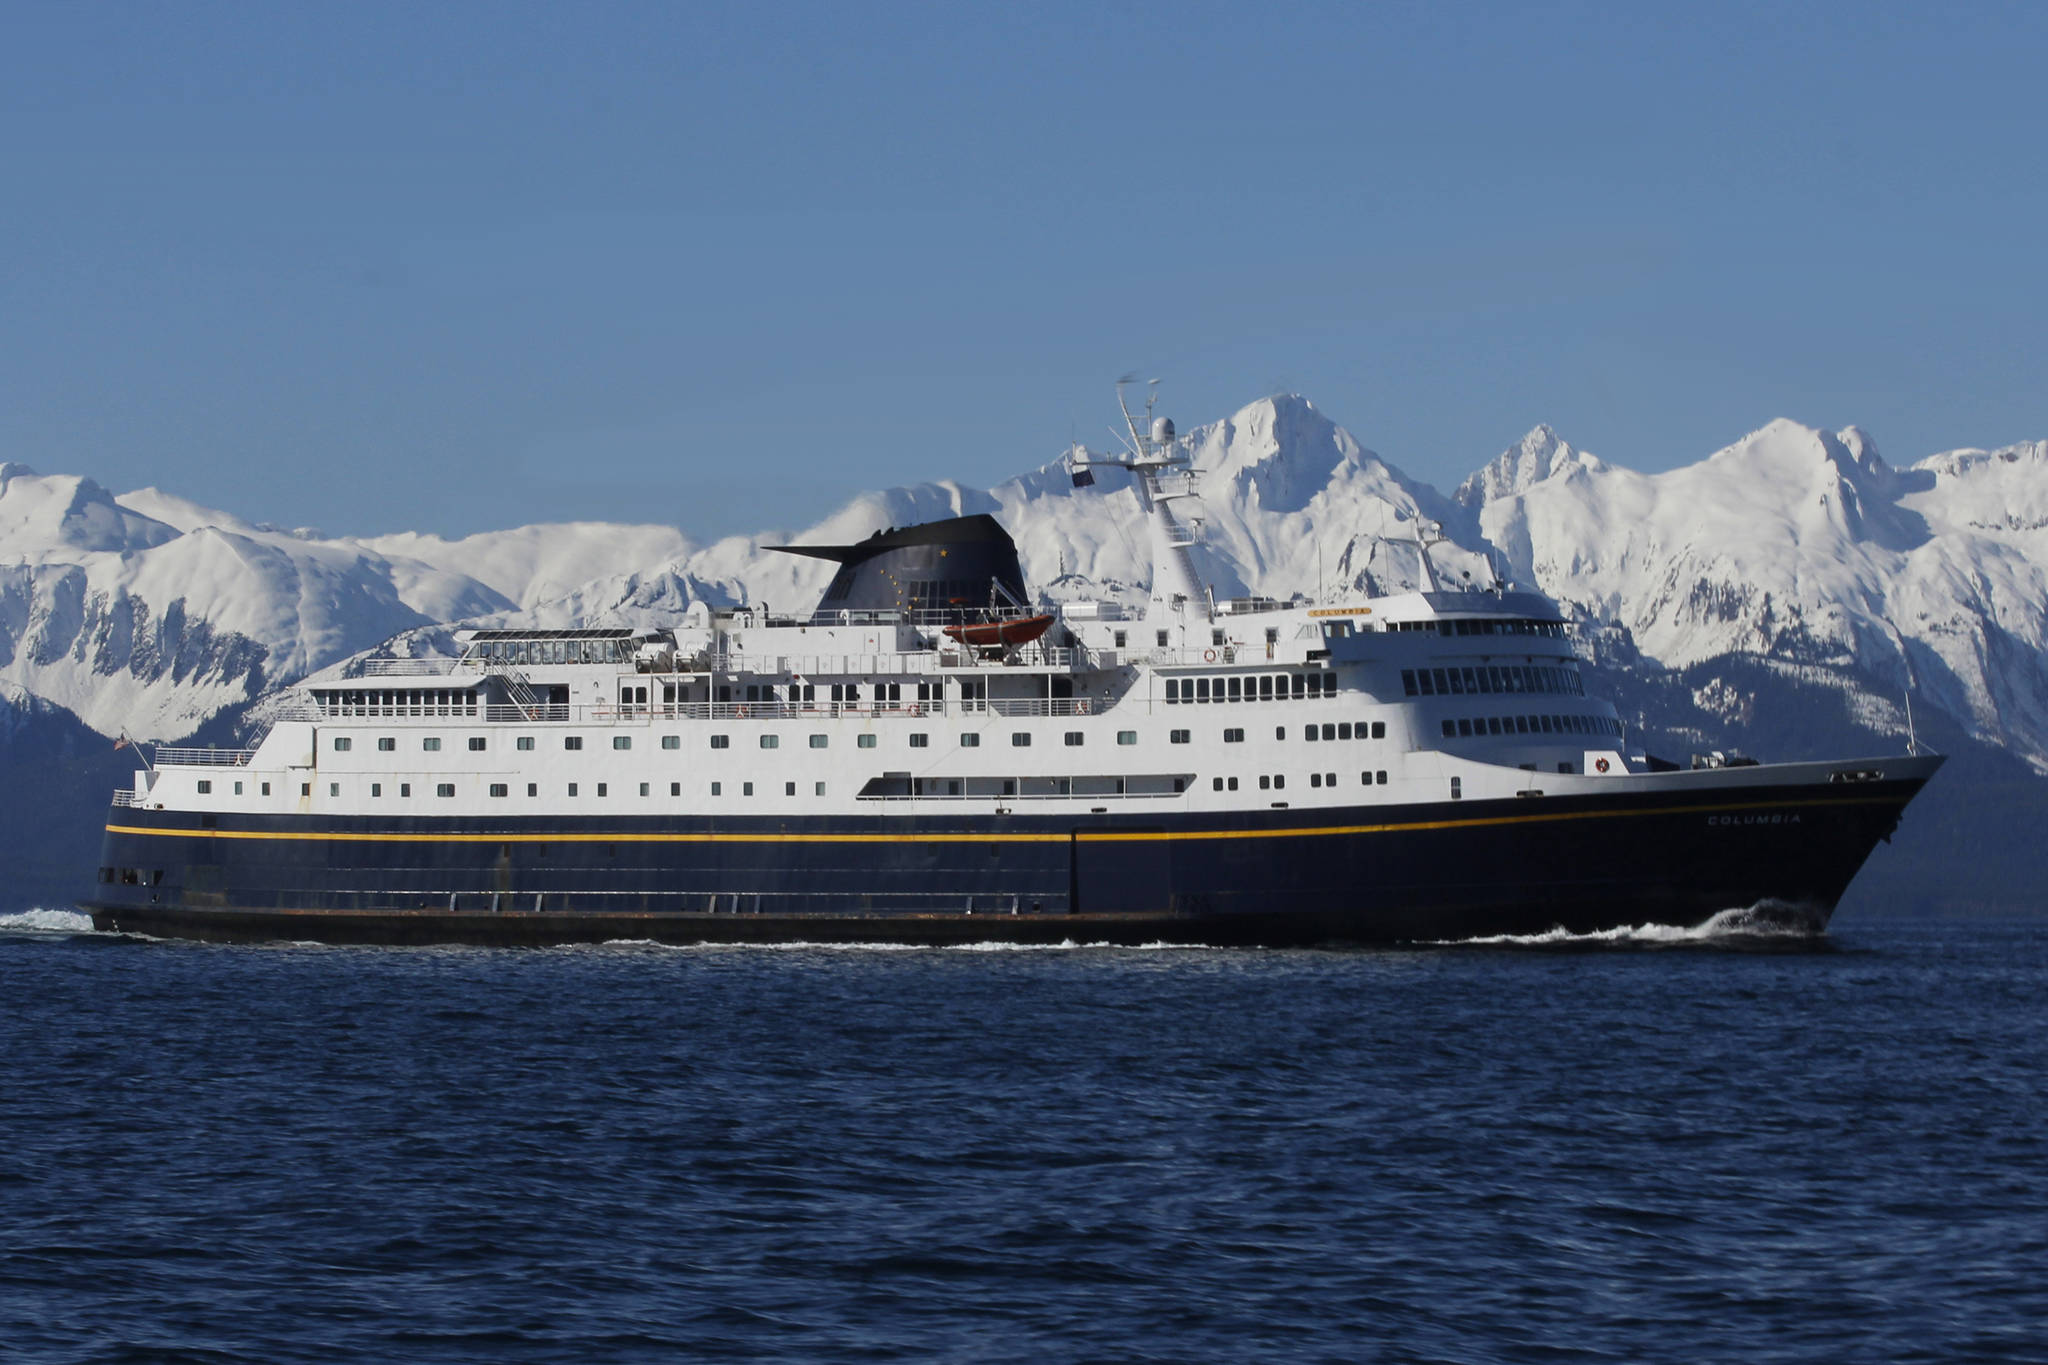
{"points": [[186, 757]]}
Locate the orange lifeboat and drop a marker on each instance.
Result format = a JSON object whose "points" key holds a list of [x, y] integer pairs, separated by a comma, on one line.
{"points": [[1007, 634]]}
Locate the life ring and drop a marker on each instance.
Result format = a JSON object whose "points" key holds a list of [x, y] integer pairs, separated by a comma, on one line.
{"points": [[743, 713], [1600, 764], [1081, 707], [1208, 656], [917, 708]]}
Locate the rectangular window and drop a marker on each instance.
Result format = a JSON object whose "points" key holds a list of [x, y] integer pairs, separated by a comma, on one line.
{"points": [[334, 789], [622, 741], [343, 744], [675, 789], [1408, 681], [1329, 732], [1201, 689], [789, 789], [1344, 730], [1266, 688], [205, 787], [717, 788], [1020, 739], [1279, 782], [771, 741], [868, 741], [820, 789], [266, 789], [476, 744], [1265, 782], [1450, 729], [387, 744], [533, 789], [1237, 689], [1383, 777], [1379, 729], [1127, 737], [431, 745], [671, 741], [1176, 736], [970, 741], [405, 789], [604, 789], [1315, 779], [1310, 733], [818, 741], [1216, 784], [376, 789], [1173, 691], [1465, 729], [920, 740], [305, 789], [1073, 739], [746, 789], [572, 741], [644, 791], [572, 789], [444, 789], [238, 789], [524, 743], [721, 741], [1233, 736], [500, 789]]}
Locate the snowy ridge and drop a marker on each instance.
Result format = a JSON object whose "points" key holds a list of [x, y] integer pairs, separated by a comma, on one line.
{"points": [[1794, 545]]}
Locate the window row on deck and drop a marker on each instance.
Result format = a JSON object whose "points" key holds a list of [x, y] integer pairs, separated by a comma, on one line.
{"points": [[1492, 678], [1318, 684]]}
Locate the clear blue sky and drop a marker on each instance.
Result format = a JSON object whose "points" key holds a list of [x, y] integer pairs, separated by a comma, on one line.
{"points": [[454, 267]]}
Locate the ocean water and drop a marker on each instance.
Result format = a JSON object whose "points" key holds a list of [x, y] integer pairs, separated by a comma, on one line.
{"points": [[1722, 1144]]}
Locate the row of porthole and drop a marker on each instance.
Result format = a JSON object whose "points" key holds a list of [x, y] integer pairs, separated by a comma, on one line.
{"points": [[1278, 781]]}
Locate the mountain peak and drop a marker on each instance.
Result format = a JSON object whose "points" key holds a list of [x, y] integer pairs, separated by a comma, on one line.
{"points": [[1536, 457]]}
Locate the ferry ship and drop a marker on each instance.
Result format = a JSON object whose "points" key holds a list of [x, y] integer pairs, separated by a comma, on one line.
{"points": [[931, 757]]}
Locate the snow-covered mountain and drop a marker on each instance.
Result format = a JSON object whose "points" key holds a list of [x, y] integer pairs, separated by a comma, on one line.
{"points": [[1795, 547]]}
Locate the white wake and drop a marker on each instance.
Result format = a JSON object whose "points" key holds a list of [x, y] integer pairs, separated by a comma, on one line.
{"points": [[47, 922], [1764, 920]]}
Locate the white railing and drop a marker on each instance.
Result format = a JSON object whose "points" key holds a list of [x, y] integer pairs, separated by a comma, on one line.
{"points": [[401, 668], [177, 757], [125, 796]]}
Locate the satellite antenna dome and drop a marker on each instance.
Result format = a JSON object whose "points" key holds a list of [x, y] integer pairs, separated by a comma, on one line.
{"points": [[1162, 430]]}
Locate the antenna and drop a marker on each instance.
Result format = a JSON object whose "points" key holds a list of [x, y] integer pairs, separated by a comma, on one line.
{"points": [[1912, 738]]}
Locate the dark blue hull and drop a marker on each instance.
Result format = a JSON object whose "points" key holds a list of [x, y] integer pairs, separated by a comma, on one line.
{"points": [[1345, 875]]}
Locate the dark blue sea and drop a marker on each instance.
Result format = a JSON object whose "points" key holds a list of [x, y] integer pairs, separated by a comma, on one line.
{"points": [[1715, 1146]]}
